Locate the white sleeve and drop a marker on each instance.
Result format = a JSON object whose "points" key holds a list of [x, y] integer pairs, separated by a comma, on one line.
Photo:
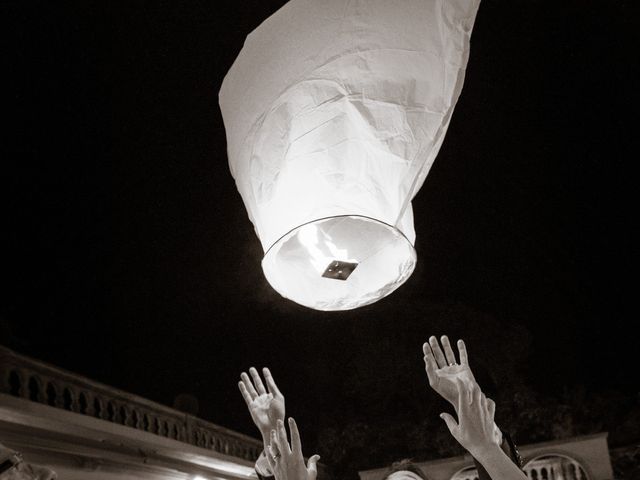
{"points": [[262, 466]]}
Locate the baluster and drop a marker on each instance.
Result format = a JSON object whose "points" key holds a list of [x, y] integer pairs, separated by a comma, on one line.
{"points": [[100, 410], [560, 472], [58, 397], [146, 422], [578, 471], [188, 431], [125, 413], [74, 406], [114, 415], [90, 408], [241, 451], [137, 419], [153, 423], [18, 383]]}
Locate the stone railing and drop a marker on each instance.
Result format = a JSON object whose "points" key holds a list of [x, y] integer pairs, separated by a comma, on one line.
{"points": [[39, 382]]}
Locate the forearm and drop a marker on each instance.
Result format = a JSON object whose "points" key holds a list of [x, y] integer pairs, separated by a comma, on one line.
{"points": [[266, 440], [262, 467], [498, 464]]}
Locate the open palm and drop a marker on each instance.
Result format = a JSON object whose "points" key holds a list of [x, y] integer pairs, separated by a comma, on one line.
{"points": [[444, 371], [265, 406]]}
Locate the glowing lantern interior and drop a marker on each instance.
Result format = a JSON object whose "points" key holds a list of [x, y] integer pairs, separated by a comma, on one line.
{"points": [[339, 263]]}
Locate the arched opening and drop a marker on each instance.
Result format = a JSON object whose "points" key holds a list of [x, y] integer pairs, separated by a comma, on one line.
{"points": [[555, 467], [466, 473]]}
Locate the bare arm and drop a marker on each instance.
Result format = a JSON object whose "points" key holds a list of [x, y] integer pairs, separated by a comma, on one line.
{"points": [[475, 432], [444, 372]]}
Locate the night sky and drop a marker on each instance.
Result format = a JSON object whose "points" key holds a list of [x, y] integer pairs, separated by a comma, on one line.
{"points": [[128, 255]]}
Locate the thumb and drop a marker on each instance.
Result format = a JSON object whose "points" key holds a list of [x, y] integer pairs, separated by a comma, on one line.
{"points": [[312, 467], [450, 421]]}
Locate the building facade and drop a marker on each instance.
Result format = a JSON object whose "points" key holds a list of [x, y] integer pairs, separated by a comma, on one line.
{"points": [[85, 430], [578, 458]]}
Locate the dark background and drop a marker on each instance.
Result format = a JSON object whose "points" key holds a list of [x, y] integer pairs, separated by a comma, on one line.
{"points": [[128, 257]]}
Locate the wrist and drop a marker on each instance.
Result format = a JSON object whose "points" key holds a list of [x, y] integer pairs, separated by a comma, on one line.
{"points": [[485, 452], [497, 433]]}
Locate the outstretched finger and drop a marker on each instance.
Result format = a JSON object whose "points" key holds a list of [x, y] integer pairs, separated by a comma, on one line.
{"points": [[448, 351], [281, 434], [462, 351], [430, 363], [257, 381], [245, 393], [437, 352], [296, 445], [271, 384], [312, 467], [451, 424], [249, 384]]}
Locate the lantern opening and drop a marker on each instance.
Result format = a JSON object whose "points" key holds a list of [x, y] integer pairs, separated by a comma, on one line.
{"points": [[375, 258]]}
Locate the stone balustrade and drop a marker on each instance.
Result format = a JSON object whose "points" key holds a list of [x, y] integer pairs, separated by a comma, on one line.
{"points": [[30, 379]]}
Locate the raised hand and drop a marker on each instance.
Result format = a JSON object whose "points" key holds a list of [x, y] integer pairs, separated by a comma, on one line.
{"points": [[443, 370], [266, 406], [475, 431], [286, 461]]}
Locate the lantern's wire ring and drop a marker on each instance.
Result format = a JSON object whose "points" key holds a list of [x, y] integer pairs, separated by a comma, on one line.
{"points": [[339, 216]]}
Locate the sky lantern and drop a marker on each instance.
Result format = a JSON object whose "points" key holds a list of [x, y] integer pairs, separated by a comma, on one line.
{"points": [[334, 112]]}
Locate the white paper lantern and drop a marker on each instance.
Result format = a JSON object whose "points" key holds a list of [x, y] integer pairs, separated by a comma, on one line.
{"points": [[334, 112]]}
